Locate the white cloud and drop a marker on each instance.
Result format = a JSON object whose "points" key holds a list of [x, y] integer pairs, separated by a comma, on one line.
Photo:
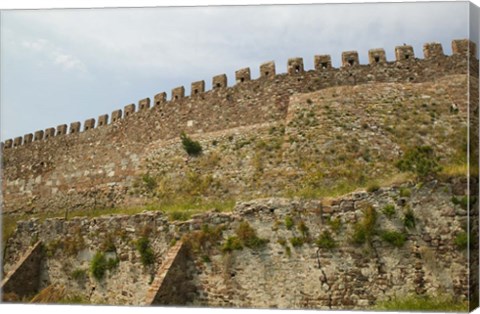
{"points": [[48, 52], [68, 62]]}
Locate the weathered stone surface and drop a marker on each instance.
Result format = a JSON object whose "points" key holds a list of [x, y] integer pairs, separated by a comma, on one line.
{"points": [[346, 277]]}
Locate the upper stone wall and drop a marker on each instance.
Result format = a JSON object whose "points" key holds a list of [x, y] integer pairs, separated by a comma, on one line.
{"points": [[96, 166]]}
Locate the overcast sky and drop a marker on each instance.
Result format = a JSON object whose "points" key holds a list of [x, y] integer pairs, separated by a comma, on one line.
{"points": [[60, 66]]}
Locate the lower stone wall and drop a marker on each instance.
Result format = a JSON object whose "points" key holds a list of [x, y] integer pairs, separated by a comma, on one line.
{"points": [[279, 261]]}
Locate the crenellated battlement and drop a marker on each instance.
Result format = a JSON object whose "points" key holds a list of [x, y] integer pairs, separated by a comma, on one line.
{"points": [[295, 66]]}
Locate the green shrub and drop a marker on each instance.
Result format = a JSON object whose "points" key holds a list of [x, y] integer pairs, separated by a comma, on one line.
{"points": [[249, 237], [99, 265], [461, 240], [421, 161], [289, 222], [405, 192], [395, 238], [325, 241], [297, 241], [359, 235], [232, 243], [409, 219], [364, 230], [389, 210], [146, 253], [193, 148], [79, 274], [112, 263]]}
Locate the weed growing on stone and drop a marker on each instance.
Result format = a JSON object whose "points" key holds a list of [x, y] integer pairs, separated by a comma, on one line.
{"points": [[364, 230], [461, 240], [99, 265], [325, 240], [409, 219], [389, 211], [146, 253], [79, 274], [231, 244], [395, 238], [464, 201], [297, 241], [289, 223], [405, 192], [249, 237], [193, 148]]}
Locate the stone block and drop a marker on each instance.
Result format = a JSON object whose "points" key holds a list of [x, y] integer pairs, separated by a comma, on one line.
{"points": [[38, 135], [75, 127], [50, 132], [267, 69], [116, 115], [376, 56], [322, 62], [219, 81], [295, 65], [242, 75], [61, 129], [129, 110], [464, 47], [89, 124], [160, 98], [178, 93], [197, 88], [144, 104], [8, 143], [433, 50], [350, 58], [103, 120], [404, 52], [17, 141], [27, 138]]}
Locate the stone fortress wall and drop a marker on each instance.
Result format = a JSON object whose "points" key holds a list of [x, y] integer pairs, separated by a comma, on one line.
{"points": [[277, 274], [96, 165]]}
